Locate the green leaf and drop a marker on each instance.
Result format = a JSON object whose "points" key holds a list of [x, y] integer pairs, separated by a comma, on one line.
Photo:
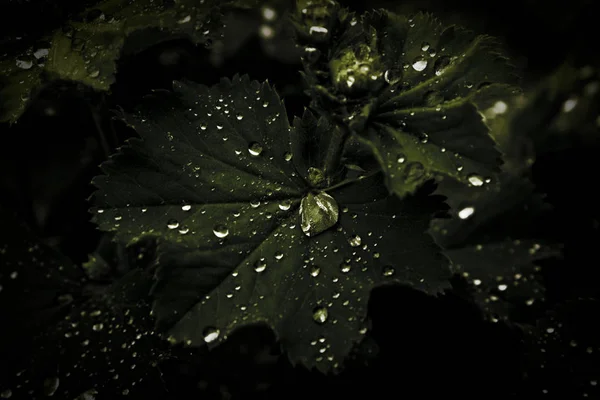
{"points": [[36, 283], [491, 240], [86, 50], [104, 346], [425, 121], [218, 177]]}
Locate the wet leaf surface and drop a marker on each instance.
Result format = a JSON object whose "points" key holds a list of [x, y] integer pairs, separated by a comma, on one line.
{"points": [[215, 178]]}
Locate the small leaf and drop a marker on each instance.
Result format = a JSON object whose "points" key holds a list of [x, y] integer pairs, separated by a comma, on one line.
{"points": [[222, 194]]}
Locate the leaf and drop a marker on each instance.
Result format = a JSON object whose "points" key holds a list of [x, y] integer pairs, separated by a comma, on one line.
{"points": [[104, 346], [426, 113], [36, 284], [86, 50], [218, 177], [492, 240]]}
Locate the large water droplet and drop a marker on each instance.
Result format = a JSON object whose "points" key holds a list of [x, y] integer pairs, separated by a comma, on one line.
{"points": [[392, 76], [354, 240], [320, 315], [287, 156], [260, 265], [255, 149], [475, 180], [172, 224], [210, 334], [285, 205], [221, 231], [315, 271], [345, 268], [466, 212], [318, 213], [419, 64], [278, 255], [51, 385]]}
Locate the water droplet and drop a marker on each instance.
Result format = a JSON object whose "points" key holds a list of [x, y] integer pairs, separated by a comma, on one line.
{"points": [[184, 230], [221, 231], [24, 64], [255, 149], [268, 13], [278, 255], [388, 270], [320, 315], [239, 117], [260, 265], [315, 271], [345, 268], [425, 46], [401, 158], [475, 180], [210, 334], [413, 172], [419, 64], [318, 31], [441, 64], [466, 212], [318, 213], [50, 386], [355, 240], [392, 76], [7, 394], [569, 105], [98, 327], [172, 224], [287, 156], [285, 205]]}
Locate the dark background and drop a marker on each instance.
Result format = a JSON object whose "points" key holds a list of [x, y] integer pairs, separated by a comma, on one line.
{"points": [[426, 347]]}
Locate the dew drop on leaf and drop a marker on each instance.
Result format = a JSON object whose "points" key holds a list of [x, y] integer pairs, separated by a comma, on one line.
{"points": [[278, 255], [320, 315], [51, 385], [184, 230], [391, 76], [186, 207], [287, 156], [285, 205], [388, 270], [425, 46], [475, 180], [7, 394], [318, 213], [172, 224], [260, 265], [419, 64], [345, 268], [401, 158], [441, 64], [221, 231], [239, 117], [315, 271], [210, 334], [355, 240], [255, 149], [414, 171], [466, 212], [98, 327]]}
